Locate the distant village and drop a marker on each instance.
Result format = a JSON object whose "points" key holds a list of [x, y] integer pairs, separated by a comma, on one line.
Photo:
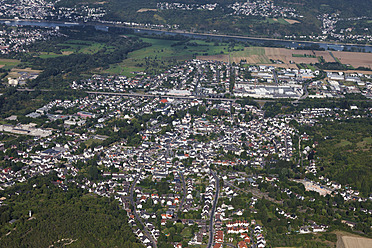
{"points": [[44, 10]]}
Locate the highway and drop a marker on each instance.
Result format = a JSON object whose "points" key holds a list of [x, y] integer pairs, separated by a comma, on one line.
{"points": [[211, 221]]}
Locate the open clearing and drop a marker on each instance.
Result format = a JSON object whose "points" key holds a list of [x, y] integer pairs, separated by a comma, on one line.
{"points": [[46, 55], [146, 10], [290, 21]]}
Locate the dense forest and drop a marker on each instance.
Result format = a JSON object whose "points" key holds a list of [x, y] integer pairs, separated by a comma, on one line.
{"points": [[344, 152], [61, 217], [331, 6]]}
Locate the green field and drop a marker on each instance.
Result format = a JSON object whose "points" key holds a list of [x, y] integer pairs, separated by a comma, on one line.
{"points": [[164, 53], [76, 46], [366, 143], [8, 64], [89, 142], [343, 143], [82, 46], [311, 67]]}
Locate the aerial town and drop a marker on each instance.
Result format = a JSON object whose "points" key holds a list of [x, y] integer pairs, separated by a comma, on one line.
{"points": [[175, 177], [122, 131]]}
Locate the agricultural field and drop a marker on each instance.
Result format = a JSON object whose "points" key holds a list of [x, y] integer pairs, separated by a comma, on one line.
{"points": [[348, 240], [265, 56], [354, 59], [218, 57], [7, 64], [297, 56], [252, 55], [164, 53]]}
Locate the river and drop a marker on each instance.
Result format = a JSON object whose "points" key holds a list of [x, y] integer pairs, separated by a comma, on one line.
{"points": [[257, 41]]}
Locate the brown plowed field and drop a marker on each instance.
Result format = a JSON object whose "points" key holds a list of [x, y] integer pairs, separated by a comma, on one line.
{"points": [[355, 59], [259, 55]]}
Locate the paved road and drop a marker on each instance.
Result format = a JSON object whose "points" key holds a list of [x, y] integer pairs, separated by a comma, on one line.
{"points": [[146, 231], [197, 97], [184, 193], [211, 221], [161, 96], [255, 192], [275, 78]]}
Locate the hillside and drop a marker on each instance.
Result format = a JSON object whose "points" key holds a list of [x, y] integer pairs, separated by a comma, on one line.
{"points": [[276, 19], [61, 217]]}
